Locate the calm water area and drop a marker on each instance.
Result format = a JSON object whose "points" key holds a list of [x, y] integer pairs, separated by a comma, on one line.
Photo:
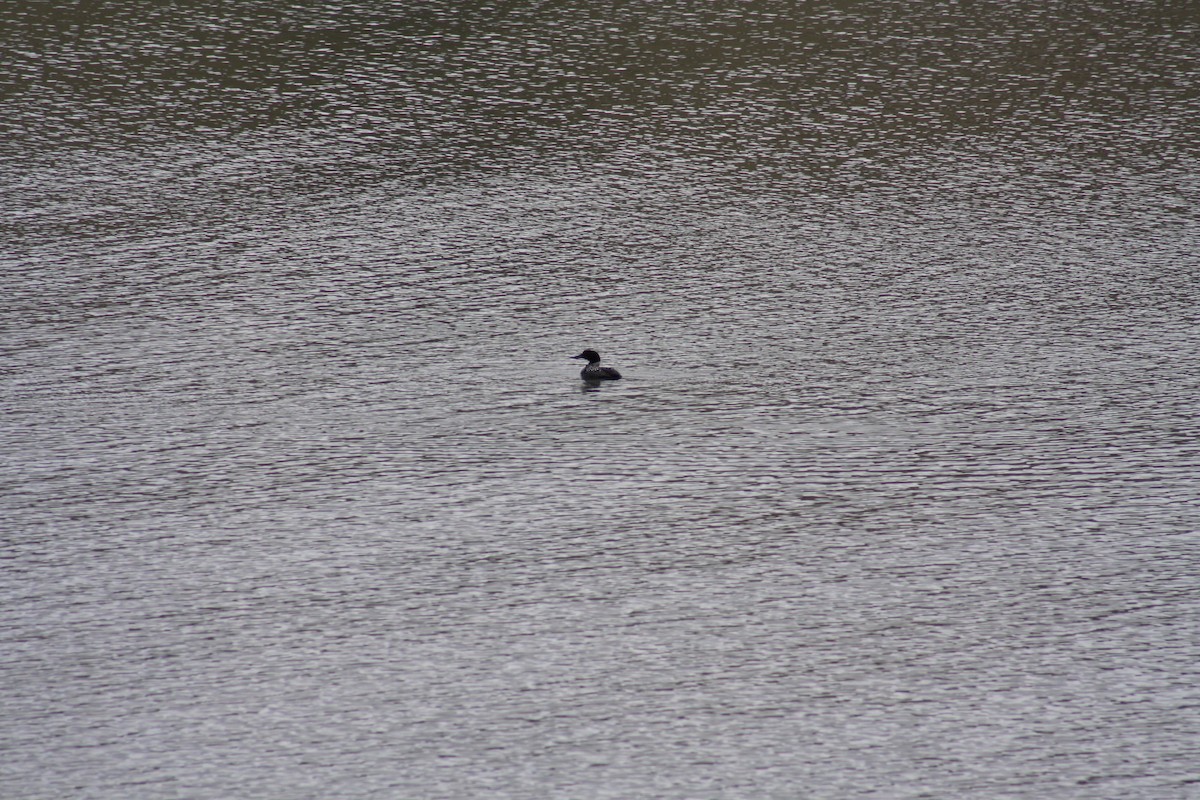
{"points": [[303, 497]]}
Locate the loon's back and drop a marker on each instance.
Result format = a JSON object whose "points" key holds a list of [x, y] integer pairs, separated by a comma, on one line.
{"points": [[595, 372]]}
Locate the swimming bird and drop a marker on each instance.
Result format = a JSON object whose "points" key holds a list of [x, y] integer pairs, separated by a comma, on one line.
{"points": [[593, 371]]}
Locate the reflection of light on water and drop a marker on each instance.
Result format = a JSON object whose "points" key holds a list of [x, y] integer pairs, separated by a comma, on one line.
{"points": [[909, 437], [595, 386]]}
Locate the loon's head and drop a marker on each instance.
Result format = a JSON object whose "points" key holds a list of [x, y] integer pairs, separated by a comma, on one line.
{"points": [[591, 356]]}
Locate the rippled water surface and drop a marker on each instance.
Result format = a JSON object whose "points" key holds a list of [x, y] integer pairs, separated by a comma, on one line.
{"points": [[304, 498]]}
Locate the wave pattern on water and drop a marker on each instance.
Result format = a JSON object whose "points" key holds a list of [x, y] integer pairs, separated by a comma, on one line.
{"points": [[303, 494]]}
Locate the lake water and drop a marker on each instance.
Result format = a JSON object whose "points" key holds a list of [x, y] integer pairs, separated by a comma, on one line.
{"points": [[304, 498]]}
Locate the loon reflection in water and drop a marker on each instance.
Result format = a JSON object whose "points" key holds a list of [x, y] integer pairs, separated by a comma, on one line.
{"points": [[593, 371]]}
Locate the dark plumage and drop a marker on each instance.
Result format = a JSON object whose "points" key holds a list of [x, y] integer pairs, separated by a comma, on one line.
{"points": [[593, 371]]}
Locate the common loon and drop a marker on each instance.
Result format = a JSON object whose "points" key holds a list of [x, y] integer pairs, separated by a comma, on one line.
{"points": [[593, 371]]}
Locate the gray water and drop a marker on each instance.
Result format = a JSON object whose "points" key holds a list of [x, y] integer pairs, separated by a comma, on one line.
{"points": [[304, 497]]}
